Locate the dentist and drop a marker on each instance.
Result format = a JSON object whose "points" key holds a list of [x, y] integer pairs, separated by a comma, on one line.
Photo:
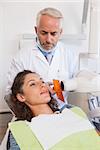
{"points": [[48, 56]]}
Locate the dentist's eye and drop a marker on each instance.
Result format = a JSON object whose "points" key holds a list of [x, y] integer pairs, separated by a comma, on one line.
{"points": [[54, 33]]}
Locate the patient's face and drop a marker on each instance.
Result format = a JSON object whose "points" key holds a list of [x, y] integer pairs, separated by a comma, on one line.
{"points": [[35, 90]]}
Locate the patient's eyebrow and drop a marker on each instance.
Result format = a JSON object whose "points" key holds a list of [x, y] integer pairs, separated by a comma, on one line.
{"points": [[34, 80]]}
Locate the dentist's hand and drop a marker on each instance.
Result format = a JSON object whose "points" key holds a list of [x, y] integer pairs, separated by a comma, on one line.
{"points": [[50, 88]]}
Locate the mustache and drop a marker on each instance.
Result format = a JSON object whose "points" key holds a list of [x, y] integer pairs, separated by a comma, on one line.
{"points": [[47, 43]]}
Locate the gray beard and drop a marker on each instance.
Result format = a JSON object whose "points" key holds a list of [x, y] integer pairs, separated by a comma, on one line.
{"points": [[41, 48]]}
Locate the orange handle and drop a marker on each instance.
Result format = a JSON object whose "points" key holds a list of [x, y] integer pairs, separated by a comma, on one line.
{"points": [[58, 90]]}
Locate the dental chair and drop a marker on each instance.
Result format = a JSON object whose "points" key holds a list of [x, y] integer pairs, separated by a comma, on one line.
{"points": [[27, 140], [87, 140], [3, 145]]}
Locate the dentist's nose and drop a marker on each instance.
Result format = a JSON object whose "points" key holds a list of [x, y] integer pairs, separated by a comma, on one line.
{"points": [[48, 38]]}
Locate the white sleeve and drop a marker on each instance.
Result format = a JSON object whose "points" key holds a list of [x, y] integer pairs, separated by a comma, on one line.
{"points": [[76, 63], [15, 67], [73, 62]]}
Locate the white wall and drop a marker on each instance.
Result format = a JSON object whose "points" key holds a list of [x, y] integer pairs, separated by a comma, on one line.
{"points": [[19, 17], [92, 60]]}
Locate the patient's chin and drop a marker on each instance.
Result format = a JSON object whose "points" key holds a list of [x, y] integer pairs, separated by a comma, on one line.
{"points": [[47, 99]]}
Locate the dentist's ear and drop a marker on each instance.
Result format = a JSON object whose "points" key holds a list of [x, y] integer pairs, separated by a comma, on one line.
{"points": [[20, 97], [35, 29], [61, 31]]}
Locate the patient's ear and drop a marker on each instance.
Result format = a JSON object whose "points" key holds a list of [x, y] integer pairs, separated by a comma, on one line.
{"points": [[20, 97]]}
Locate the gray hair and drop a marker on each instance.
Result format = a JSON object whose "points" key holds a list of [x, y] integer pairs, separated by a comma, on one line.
{"points": [[50, 12]]}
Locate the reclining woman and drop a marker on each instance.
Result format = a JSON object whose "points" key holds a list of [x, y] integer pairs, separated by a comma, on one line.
{"points": [[30, 97]]}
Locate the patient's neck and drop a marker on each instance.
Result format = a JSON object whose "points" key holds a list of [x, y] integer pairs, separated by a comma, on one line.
{"points": [[41, 109]]}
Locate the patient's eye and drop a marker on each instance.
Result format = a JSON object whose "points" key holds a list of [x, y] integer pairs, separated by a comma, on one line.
{"points": [[32, 84], [35, 83], [41, 80]]}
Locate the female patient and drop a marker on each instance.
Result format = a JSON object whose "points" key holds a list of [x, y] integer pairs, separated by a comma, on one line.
{"points": [[30, 97]]}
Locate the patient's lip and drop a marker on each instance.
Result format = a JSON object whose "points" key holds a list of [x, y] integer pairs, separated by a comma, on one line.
{"points": [[43, 92]]}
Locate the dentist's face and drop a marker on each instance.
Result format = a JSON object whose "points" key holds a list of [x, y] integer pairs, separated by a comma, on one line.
{"points": [[48, 31], [35, 91]]}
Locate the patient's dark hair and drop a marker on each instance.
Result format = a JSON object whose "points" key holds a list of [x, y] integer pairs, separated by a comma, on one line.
{"points": [[20, 109]]}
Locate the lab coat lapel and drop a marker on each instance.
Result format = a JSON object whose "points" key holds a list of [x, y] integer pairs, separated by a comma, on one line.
{"points": [[59, 66], [39, 55], [55, 65], [55, 59]]}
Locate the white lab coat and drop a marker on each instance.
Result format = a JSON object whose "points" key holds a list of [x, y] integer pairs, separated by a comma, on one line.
{"points": [[63, 66]]}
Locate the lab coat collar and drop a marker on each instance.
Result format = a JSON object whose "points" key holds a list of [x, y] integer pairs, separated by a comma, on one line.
{"points": [[39, 54]]}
